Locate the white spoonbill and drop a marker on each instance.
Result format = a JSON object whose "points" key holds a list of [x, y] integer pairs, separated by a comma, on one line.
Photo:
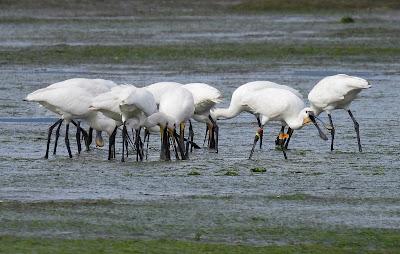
{"points": [[135, 107], [337, 92], [108, 104], [127, 105], [205, 98], [273, 104], [237, 105], [176, 107], [159, 88], [71, 99]]}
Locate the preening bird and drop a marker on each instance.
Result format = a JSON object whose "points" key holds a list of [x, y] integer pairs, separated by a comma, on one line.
{"points": [[205, 98], [337, 92], [71, 99], [175, 108], [237, 105]]}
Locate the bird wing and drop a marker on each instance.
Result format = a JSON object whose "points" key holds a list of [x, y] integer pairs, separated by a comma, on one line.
{"points": [[158, 89], [257, 85], [205, 96], [63, 100], [333, 89], [270, 102]]}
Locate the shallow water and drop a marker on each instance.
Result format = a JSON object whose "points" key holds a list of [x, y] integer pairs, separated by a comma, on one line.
{"points": [[313, 188]]}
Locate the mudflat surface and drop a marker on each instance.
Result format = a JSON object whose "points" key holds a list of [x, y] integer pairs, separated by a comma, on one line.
{"points": [[212, 197]]}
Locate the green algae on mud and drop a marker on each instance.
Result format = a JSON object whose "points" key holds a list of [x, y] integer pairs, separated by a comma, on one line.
{"points": [[365, 240], [64, 54], [312, 5]]}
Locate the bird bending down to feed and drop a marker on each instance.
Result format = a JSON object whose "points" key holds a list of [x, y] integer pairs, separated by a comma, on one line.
{"points": [[159, 88], [205, 98], [71, 99], [272, 104], [237, 106], [135, 107], [128, 106], [337, 92], [175, 108]]}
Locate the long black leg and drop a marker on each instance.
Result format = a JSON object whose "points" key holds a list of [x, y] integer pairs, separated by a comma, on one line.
{"points": [[332, 131], [180, 146], [211, 143], [182, 140], [187, 145], [126, 143], [89, 139], [87, 136], [290, 133], [215, 131], [124, 132], [78, 136], [111, 144], [162, 150], [147, 135], [281, 142], [191, 134], [138, 146], [141, 146], [172, 140], [261, 135], [182, 134], [46, 156], [205, 136], [357, 128], [57, 136], [67, 140], [256, 138], [166, 144], [146, 139]]}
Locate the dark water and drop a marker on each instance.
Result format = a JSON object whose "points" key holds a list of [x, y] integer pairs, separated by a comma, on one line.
{"points": [[314, 187]]}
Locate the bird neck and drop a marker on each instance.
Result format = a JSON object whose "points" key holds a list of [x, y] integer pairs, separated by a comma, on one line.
{"points": [[316, 110], [100, 122], [226, 113], [160, 119]]}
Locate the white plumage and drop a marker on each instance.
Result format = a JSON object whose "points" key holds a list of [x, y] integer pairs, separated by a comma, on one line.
{"points": [[71, 100], [176, 107], [205, 98], [159, 88], [275, 104], [128, 105], [268, 101], [237, 105], [337, 92]]}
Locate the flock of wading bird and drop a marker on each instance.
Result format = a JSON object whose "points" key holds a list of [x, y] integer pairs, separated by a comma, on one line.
{"points": [[167, 107]]}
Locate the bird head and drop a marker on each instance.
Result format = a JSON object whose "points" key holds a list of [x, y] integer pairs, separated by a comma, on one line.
{"points": [[308, 117]]}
